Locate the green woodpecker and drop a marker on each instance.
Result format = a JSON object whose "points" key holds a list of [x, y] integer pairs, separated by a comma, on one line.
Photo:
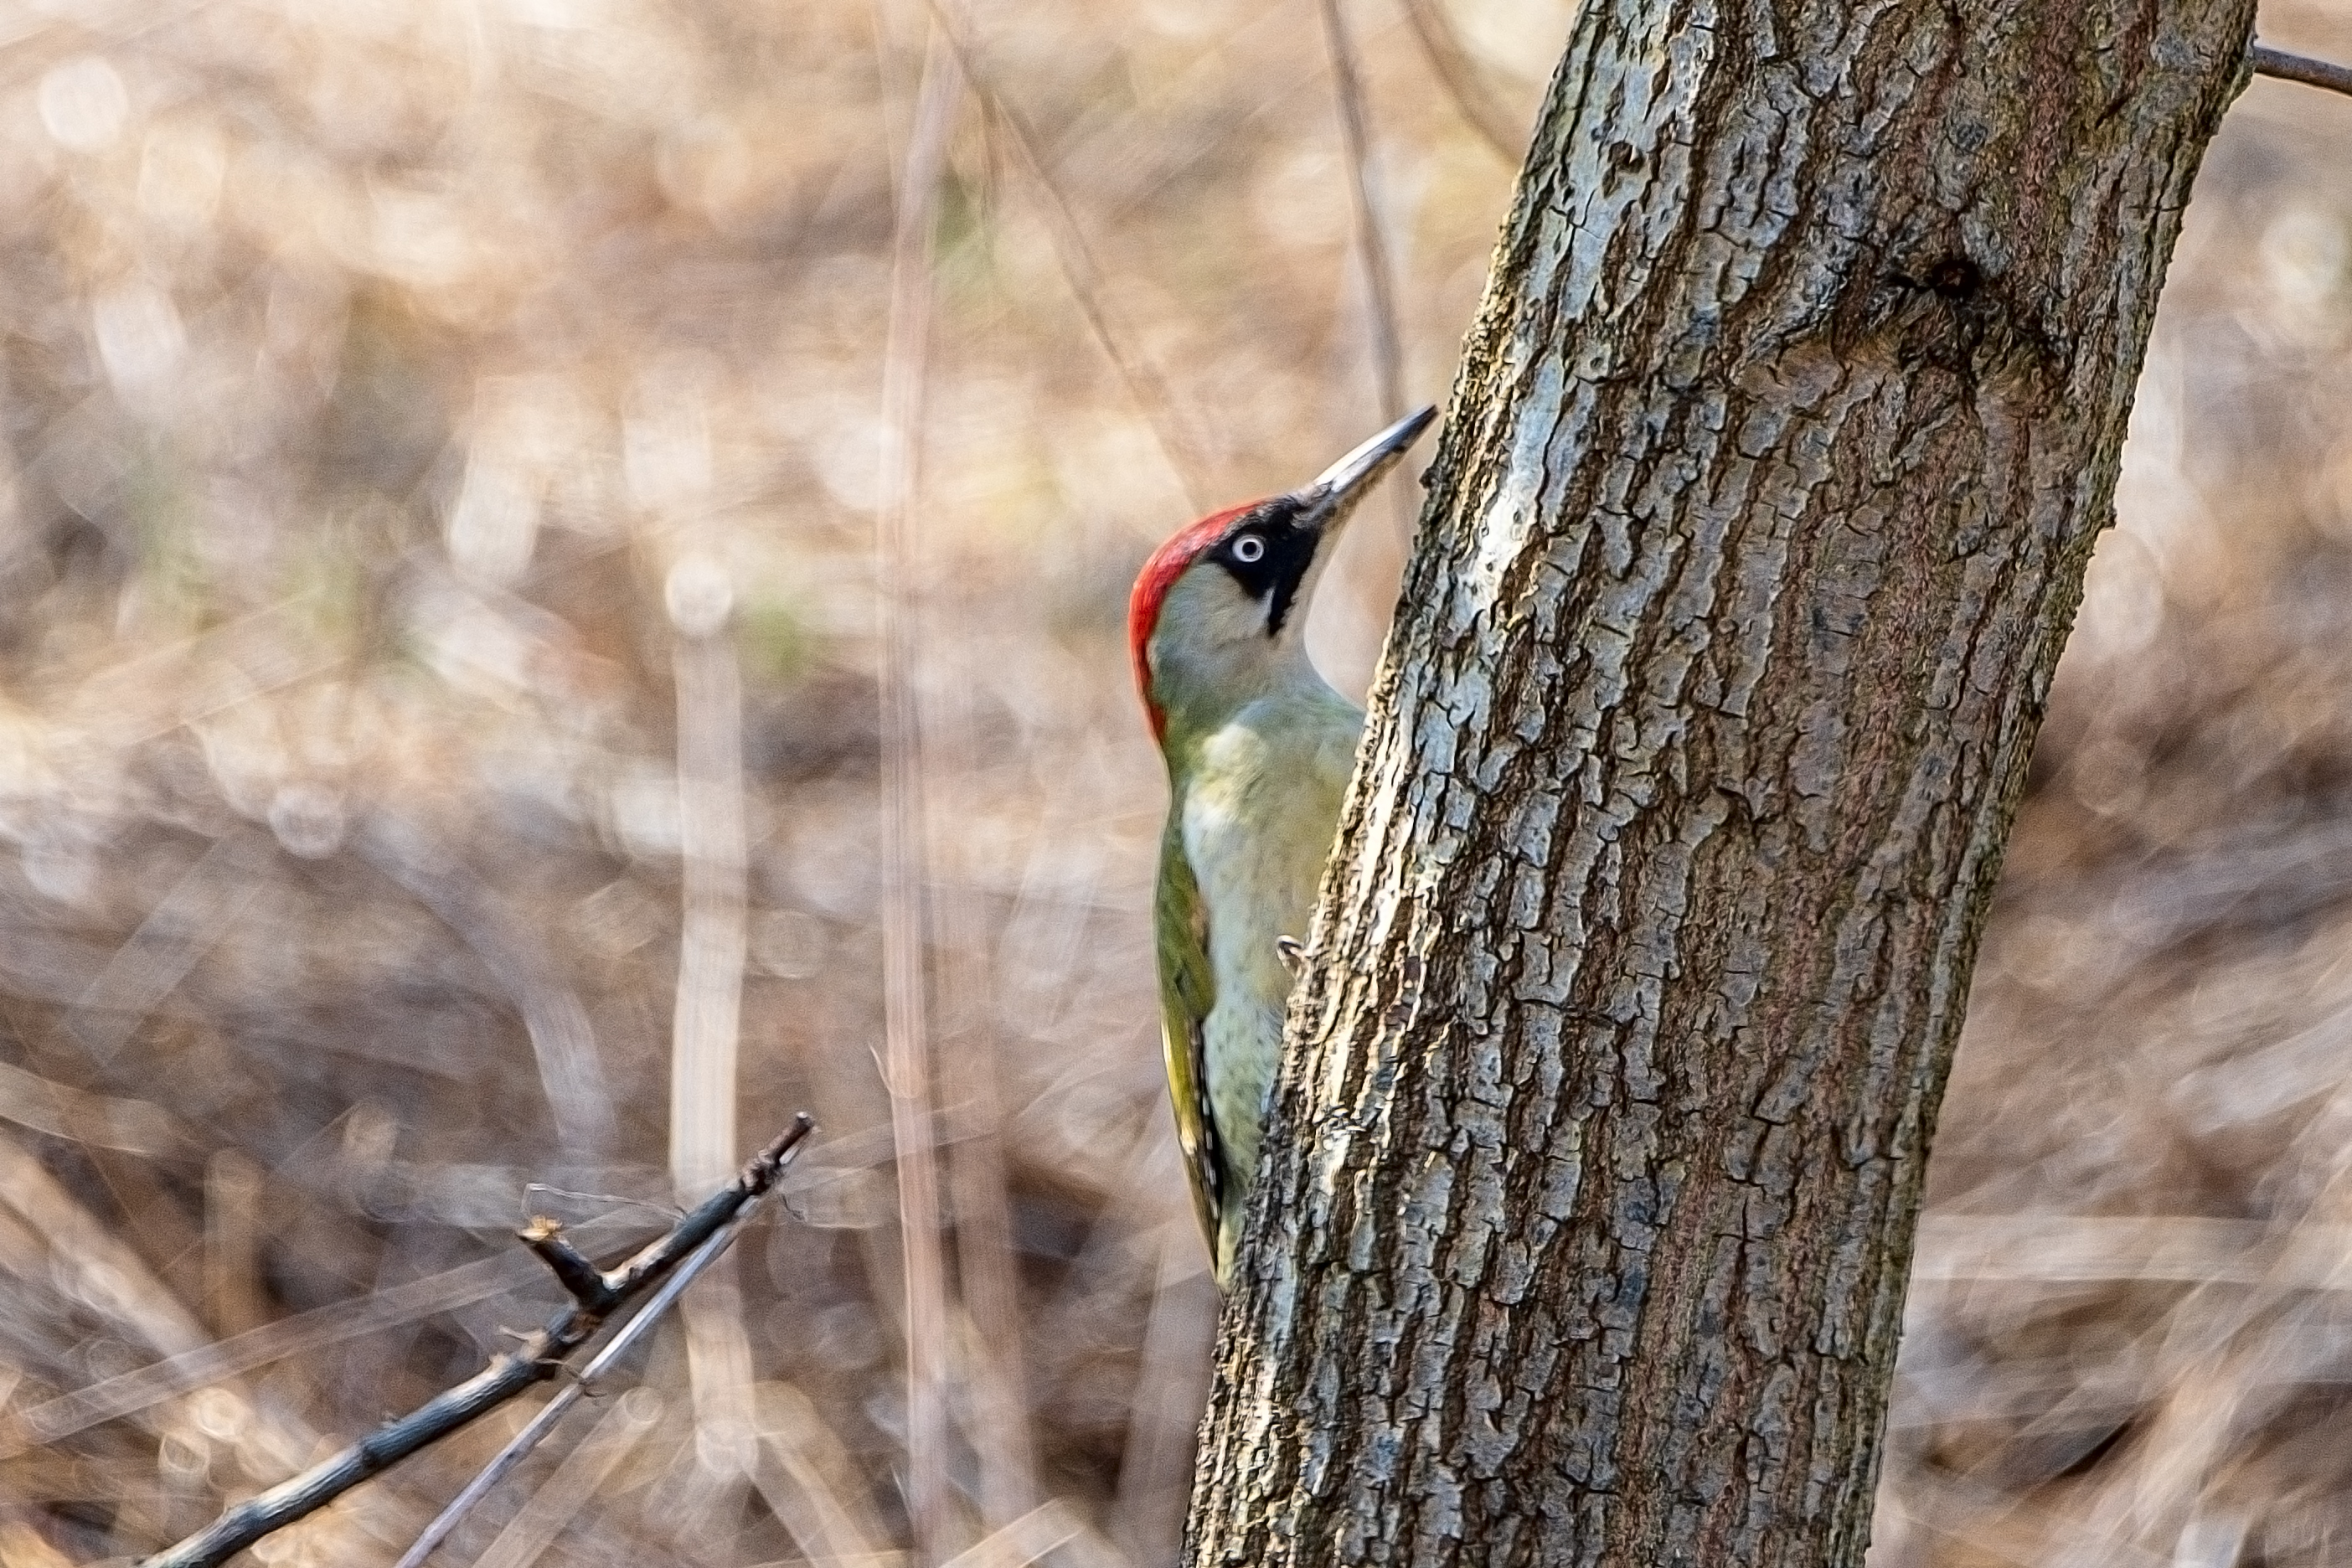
{"points": [[1258, 750]]}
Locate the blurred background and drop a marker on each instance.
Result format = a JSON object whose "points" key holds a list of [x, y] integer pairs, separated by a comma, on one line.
{"points": [[562, 578]]}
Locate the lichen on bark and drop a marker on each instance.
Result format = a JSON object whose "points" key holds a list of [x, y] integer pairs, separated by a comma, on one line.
{"points": [[1773, 466]]}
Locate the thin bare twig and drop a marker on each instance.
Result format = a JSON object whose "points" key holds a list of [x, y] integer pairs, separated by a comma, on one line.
{"points": [[1372, 245], [217, 1360], [987, 1269], [1464, 82], [1172, 1386], [706, 1019], [234, 1187], [2302, 69], [537, 1359], [994, 1410], [907, 1044], [706, 1010], [986, 1336], [1172, 430], [535, 1430]]}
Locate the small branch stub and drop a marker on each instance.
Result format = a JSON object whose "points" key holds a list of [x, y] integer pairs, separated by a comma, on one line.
{"points": [[572, 1268], [2285, 67]]}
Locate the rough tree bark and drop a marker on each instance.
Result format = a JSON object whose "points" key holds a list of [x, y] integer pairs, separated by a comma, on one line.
{"points": [[1778, 453]]}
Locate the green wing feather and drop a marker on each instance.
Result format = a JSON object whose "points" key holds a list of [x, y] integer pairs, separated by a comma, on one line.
{"points": [[1188, 988]]}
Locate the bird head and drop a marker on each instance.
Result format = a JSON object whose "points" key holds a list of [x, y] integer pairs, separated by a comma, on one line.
{"points": [[1219, 613]]}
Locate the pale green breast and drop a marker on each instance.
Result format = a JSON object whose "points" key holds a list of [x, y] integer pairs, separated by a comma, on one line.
{"points": [[1258, 820]]}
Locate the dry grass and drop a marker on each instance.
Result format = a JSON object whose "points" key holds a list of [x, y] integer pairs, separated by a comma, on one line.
{"points": [[392, 389]]}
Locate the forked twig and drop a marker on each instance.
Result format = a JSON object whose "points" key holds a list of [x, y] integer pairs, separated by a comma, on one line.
{"points": [[536, 1429], [2302, 69], [596, 1295]]}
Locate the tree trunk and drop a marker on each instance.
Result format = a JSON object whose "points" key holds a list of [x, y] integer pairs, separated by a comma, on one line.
{"points": [[1776, 459]]}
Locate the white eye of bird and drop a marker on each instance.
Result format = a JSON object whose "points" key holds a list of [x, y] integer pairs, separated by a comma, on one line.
{"points": [[1249, 548]]}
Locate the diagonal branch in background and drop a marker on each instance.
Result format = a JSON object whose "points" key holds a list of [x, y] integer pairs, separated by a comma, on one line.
{"points": [[2285, 67], [1174, 430], [1464, 82], [205, 1365], [597, 1296], [1372, 245]]}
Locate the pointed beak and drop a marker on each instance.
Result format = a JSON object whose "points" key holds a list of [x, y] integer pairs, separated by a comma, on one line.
{"points": [[1325, 503]]}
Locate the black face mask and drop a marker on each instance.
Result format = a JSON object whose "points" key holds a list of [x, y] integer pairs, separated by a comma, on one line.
{"points": [[1268, 555]]}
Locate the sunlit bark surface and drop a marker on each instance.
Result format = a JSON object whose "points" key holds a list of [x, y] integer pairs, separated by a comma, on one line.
{"points": [[1775, 462]]}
